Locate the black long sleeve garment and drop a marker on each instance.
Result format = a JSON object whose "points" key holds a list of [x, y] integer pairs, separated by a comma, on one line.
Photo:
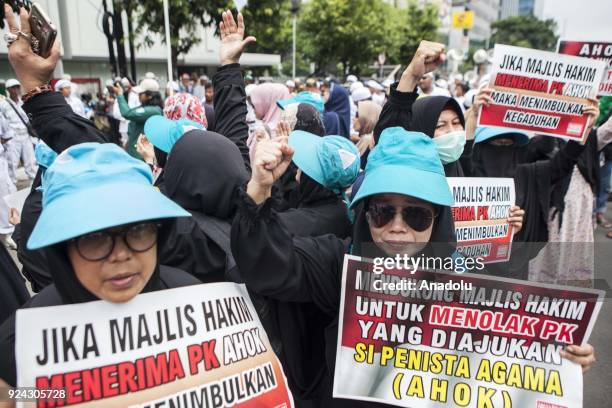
{"points": [[303, 275], [231, 109], [397, 111], [59, 127], [13, 290], [207, 187], [57, 124]]}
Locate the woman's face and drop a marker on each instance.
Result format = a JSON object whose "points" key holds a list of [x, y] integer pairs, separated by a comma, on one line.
{"points": [[143, 97], [397, 236], [356, 124], [325, 93], [120, 276], [448, 122]]}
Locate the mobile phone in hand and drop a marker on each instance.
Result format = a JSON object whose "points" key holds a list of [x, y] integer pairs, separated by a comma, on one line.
{"points": [[42, 28]]}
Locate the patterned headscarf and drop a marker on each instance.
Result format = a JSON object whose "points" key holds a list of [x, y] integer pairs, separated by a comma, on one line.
{"points": [[185, 106]]}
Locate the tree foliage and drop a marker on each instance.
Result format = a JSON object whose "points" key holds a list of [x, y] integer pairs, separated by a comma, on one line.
{"points": [[350, 32], [270, 22], [185, 18], [525, 31], [415, 23]]}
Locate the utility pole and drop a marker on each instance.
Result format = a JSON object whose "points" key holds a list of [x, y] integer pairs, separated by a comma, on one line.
{"points": [[107, 27], [118, 34]]}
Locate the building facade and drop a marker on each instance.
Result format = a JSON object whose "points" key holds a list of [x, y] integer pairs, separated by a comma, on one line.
{"points": [[85, 51]]}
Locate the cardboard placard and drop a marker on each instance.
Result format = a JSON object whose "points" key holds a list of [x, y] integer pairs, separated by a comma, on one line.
{"points": [[440, 339], [482, 206], [599, 50], [541, 92], [200, 344]]}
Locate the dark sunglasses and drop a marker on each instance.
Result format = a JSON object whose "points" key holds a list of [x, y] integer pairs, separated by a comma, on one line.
{"points": [[98, 245], [417, 218]]}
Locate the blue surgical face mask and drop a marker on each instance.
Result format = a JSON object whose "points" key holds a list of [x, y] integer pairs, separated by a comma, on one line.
{"points": [[450, 146]]}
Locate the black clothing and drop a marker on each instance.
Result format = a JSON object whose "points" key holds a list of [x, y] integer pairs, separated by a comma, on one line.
{"points": [[309, 120], [588, 165], [315, 210], [299, 271], [59, 127], [202, 175], [13, 291], [533, 181], [231, 109], [542, 147], [533, 186], [397, 111]]}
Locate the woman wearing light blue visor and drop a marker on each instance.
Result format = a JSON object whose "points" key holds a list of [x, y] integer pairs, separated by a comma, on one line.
{"points": [[326, 166], [98, 229], [403, 190]]}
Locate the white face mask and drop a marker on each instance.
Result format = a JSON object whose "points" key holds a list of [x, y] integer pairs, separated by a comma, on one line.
{"points": [[450, 146]]}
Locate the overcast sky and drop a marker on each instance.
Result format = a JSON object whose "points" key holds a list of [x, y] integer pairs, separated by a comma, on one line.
{"points": [[581, 19]]}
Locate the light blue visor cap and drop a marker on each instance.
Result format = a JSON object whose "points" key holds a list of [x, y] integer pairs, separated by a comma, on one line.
{"points": [[163, 133], [92, 187], [407, 163], [484, 133], [332, 161]]}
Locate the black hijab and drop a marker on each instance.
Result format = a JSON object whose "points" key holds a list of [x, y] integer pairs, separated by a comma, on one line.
{"points": [[12, 285], [425, 114], [309, 120], [203, 172], [498, 161]]}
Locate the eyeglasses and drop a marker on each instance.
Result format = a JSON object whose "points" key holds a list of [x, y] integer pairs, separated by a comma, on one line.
{"points": [[99, 245], [417, 218]]}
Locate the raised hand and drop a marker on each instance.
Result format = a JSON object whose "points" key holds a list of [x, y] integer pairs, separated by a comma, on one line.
{"points": [[145, 149], [233, 42], [515, 218], [592, 111], [282, 129], [427, 58], [272, 157], [483, 98], [365, 143], [31, 69]]}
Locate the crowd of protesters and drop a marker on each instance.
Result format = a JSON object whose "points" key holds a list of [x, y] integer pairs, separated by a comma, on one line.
{"points": [[269, 185]]}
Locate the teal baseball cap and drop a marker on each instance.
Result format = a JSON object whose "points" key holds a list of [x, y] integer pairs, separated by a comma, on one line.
{"points": [[332, 161], [91, 187], [303, 97], [408, 163], [484, 133], [163, 132]]}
